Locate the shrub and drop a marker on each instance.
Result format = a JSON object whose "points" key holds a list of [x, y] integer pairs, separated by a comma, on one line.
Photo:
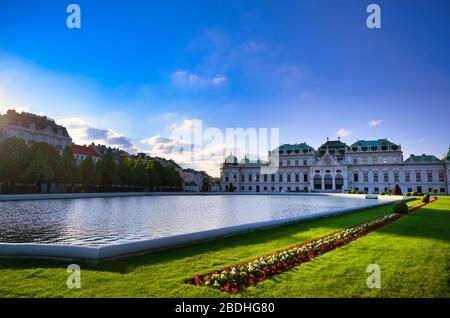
{"points": [[435, 191], [382, 193], [359, 192], [400, 207], [415, 193], [426, 198], [407, 194]]}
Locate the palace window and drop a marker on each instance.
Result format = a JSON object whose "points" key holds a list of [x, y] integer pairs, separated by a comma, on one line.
{"points": [[288, 163], [396, 177], [242, 178], [366, 176], [272, 177], [250, 178], [257, 178], [385, 161], [265, 178], [418, 177], [355, 161], [288, 177], [376, 190], [364, 160], [430, 176], [407, 177], [441, 176], [296, 162], [355, 177], [442, 190], [386, 176], [280, 177], [374, 160], [395, 160], [297, 177], [234, 178], [305, 162], [375, 176], [226, 177], [305, 177]]}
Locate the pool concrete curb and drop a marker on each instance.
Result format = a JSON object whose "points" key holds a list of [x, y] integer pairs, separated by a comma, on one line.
{"points": [[109, 252]]}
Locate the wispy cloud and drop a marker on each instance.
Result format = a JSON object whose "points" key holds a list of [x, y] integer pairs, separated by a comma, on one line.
{"points": [[343, 133], [375, 122], [421, 140], [185, 79], [83, 132]]}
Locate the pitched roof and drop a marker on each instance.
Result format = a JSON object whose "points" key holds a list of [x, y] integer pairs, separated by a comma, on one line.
{"points": [[84, 150], [333, 144], [40, 122], [373, 143], [422, 159], [294, 148]]}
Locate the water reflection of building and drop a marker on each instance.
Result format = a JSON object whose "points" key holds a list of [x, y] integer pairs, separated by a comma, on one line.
{"points": [[370, 166]]}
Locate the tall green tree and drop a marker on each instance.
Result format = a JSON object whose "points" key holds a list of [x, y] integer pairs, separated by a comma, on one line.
{"points": [[153, 169], [51, 154], [140, 173], [39, 171], [125, 172], [88, 173], [66, 171], [14, 159], [107, 169]]}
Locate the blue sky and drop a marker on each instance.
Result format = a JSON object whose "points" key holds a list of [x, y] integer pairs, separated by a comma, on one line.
{"points": [[137, 70]]}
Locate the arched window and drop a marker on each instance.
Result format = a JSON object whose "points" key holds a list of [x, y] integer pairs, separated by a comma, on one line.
{"points": [[328, 182], [339, 181], [317, 182]]}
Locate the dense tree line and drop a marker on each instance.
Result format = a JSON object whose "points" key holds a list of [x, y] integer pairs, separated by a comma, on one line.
{"points": [[40, 165]]}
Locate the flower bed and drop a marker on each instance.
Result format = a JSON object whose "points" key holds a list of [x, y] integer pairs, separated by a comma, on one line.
{"points": [[234, 279]]}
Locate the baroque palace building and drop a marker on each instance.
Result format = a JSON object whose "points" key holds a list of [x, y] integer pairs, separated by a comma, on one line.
{"points": [[369, 166]]}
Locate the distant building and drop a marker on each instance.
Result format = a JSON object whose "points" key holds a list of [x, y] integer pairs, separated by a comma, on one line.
{"points": [[370, 166], [116, 152], [82, 152], [33, 128], [196, 181]]}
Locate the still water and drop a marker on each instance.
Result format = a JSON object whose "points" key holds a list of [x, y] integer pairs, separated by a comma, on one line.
{"points": [[100, 221]]}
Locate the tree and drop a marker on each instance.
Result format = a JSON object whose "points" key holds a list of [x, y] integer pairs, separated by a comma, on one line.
{"points": [[51, 154], [39, 171], [231, 188], [89, 175], [125, 172], [206, 184], [107, 169], [14, 159], [66, 171], [153, 169], [140, 173]]}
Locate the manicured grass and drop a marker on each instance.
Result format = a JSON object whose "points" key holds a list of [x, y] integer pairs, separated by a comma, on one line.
{"points": [[413, 253]]}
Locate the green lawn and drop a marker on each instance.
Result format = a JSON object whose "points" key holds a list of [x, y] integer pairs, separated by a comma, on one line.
{"points": [[413, 253]]}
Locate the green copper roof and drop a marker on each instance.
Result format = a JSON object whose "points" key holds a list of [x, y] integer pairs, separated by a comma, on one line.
{"points": [[422, 159], [294, 148], [373, 143]]}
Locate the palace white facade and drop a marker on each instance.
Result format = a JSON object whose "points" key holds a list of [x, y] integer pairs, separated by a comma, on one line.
{"points": [[33, 128], [372, 166]]}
